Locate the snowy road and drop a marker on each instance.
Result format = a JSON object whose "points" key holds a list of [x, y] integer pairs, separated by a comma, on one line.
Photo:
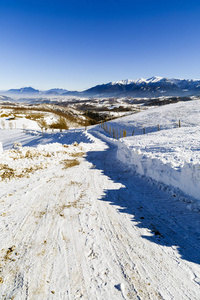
{"points": [[96, 231]]}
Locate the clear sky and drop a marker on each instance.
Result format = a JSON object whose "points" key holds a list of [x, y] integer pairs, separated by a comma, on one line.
{"points": [[80, 43]]}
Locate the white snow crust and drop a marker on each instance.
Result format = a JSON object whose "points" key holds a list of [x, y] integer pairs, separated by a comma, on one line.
{"points": [[153, 79], [171, 155], [78, 222]]}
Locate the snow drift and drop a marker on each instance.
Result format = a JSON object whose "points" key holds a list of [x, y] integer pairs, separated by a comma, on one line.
{"points": [[172, 161]]}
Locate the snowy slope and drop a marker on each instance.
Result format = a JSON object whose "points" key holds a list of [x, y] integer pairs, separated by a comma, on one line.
{"points": [[171, 155], [153, 79], [167, 117], [76, 223], [93, 230], [27, 119]]}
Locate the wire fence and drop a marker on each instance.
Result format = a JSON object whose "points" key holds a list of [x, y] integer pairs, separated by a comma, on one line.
{"points": [[121, 133]]}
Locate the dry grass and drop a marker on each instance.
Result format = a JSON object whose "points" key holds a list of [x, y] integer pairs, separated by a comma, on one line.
{"points": [[35, 153], [69, 163], [66, 117], [65, 146], [75, 204], [39, 214], [4, 115], [7, 173], [30, 154], [42, 123], [75, 183], [38, 115], [60, 124], [34, 116], [77, 154], [20, 113], [72, 204], [8, 253]]}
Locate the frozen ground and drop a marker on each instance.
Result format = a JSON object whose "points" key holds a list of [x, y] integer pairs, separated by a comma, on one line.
{"points": [[77, 223]]}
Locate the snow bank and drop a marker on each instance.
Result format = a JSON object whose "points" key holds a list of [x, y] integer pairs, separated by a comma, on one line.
{"points": [[170, 156], [1, 148]]}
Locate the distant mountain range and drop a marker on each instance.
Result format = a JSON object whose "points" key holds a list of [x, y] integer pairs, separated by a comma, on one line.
{"points": [[24, 90], [151, 87], [31, 91]]}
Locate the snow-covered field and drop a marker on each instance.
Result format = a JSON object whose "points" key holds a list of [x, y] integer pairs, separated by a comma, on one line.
{"points": [[167, 117], [78, 222], [171, 155], [9, 119]]}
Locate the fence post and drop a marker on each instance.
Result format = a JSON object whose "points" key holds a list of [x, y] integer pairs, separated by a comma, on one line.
{"points": [[86, 120], [158, 127], [143, 130], [179, 123], [133, 132], [124, 133]]}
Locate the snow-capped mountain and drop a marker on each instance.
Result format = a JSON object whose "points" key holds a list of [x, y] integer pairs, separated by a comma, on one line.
{"points": [[151, 87], [157, 79], [138, 81]]}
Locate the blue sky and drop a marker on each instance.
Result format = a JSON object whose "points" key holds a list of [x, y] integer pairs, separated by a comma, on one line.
{"points": [[78, 44]]}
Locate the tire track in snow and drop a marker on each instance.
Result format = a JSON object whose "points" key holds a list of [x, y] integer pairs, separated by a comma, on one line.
{"points": [[77, 241], [28, 241], [131, 283], [170, 280], [75, 260]]}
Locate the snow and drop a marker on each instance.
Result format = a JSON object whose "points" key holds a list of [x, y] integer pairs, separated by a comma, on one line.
{"points": [[171, 155], [173, 161], [167, 117], [78, 222], [153, 79], [124, 81], [8, 119]]}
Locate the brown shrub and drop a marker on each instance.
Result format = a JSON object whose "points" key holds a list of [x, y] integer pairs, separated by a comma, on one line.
{"points": [[77, 154], [69, 163]]}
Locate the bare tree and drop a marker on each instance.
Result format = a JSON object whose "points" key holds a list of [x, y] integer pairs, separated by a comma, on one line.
{"points": [[3, 124], [10, 125], [42, 124], [24, 127]]}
